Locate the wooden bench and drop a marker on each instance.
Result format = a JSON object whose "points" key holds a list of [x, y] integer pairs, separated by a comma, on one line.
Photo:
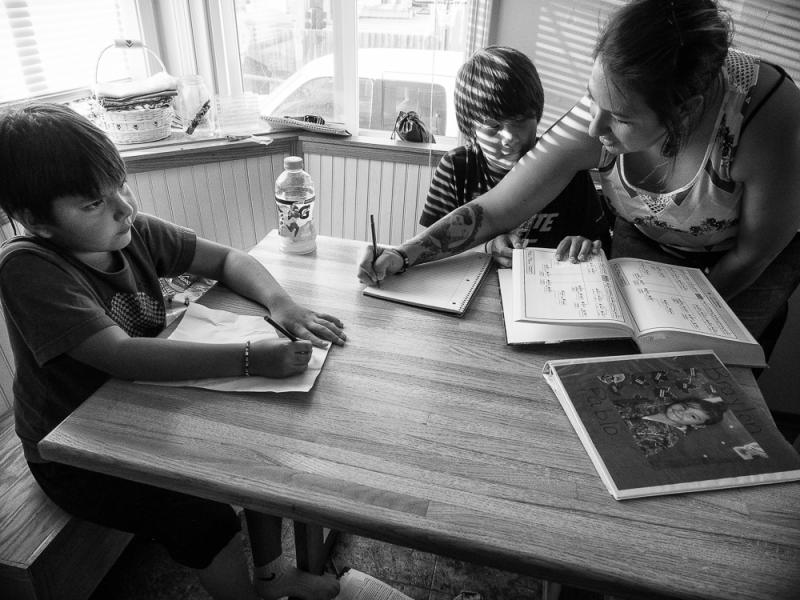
{"points": [[44, 552]]}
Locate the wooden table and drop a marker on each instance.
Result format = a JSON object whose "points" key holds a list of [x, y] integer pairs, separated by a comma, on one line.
{"points": [[428, 431]]}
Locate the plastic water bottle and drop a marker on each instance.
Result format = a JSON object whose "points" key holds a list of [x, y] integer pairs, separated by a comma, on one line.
{"points": [[294, 197]]}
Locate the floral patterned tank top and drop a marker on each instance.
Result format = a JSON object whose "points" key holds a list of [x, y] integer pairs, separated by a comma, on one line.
{"points": [[703, 215]]}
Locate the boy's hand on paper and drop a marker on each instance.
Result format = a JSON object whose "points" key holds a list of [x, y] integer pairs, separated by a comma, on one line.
{"points": [[500, 248], [388, 262], [577, 248], [279, 358], [320, 328]]}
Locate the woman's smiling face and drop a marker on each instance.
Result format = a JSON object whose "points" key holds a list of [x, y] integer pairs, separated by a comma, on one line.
{"points": [[620, 118]]}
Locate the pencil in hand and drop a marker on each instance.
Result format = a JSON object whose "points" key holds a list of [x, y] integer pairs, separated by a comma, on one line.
{"points": [[374, 243], [280, 328]]}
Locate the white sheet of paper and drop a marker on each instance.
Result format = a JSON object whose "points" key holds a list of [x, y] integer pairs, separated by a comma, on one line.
{"points": [[206, 325]]}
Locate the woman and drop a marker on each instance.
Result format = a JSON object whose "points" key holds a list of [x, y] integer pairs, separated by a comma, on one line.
{"points": [[698, 148]]}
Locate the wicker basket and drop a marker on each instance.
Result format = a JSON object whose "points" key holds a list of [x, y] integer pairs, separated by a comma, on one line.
{"points": [[138, 125]]}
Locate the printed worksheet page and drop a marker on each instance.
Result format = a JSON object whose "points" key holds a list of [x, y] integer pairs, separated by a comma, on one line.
{"points": [[563, 292], [666, 297]]}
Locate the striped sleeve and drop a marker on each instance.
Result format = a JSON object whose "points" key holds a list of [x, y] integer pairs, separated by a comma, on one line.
{"points": [[442, 194]]}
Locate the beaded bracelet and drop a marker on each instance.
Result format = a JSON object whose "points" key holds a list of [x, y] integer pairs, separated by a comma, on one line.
{"points": [[247, 358], [404, 256]]}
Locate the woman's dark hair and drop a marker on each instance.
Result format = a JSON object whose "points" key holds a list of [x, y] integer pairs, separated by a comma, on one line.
{"points": [[667, 51], [497, 82], [48, 151]]}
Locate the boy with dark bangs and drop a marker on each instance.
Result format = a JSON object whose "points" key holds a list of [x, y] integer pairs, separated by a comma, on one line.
{"points": [[83, 303], [499, 102]]}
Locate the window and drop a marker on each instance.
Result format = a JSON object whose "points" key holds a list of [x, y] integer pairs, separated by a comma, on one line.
{"points": [[43, 57], [389, 81], [407, 51], [380, 101], [292, 55]]}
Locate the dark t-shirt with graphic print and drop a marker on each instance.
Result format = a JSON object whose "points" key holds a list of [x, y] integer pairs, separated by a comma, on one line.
{"points": [[53, 304], [463, 174]]}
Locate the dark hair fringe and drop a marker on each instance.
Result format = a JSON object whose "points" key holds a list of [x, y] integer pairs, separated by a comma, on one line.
{"points": [[48, 151], [497, 82]]}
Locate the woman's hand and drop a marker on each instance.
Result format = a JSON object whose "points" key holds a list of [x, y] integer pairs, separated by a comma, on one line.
{"points": [[388, 262], [319, 328], [577, 248]]}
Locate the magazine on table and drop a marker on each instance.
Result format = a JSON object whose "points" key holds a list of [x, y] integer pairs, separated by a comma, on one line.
{"points": [[669, 423]]}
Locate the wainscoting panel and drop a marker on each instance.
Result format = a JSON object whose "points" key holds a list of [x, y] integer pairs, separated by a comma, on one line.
{"points": [[232, 202], [350, 189]]}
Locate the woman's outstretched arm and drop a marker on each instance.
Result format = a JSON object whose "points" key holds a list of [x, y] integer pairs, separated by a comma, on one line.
{"points": [[536, 180]]}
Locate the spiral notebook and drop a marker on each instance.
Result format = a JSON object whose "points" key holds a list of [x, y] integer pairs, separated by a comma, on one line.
{"points": [[281, 123], [447, 285]]}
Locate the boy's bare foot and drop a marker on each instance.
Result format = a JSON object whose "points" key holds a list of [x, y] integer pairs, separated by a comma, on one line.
{"points": [[278, 579]]}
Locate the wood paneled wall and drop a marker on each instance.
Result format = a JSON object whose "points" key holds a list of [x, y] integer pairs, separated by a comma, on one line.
{"points": [[233, 202], [350, 189], [229, 202]]}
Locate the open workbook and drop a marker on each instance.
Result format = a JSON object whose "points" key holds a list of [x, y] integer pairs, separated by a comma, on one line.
{"points": [[660, 307], [667, 423], [446, 285], [355, 585]]}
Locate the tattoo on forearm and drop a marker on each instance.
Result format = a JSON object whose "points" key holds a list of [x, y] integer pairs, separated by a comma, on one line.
{"points": [[452, 234]]}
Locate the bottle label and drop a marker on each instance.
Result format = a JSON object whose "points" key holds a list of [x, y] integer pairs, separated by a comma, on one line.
{"points": [[296, 221]]}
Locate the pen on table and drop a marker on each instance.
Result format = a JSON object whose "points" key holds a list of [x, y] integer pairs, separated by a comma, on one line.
{"points": [[280, 328], [374, 243], [198, 117]]}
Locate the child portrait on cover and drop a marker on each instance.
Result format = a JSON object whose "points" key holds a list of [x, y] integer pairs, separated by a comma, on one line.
{"points": [[660, 423], [679, 417]]}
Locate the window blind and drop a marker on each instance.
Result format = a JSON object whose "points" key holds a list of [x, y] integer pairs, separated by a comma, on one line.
{"points": [[564, 33], [48, 47]]}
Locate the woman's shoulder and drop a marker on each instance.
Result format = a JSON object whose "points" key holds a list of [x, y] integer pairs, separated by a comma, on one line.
{"points": [[774, 92], [770, 132]]}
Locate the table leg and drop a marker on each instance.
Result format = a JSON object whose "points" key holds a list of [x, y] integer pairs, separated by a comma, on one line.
{"points": [[313, 545]]}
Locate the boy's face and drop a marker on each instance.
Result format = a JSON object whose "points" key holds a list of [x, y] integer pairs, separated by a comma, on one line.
{"points": [[504, 142], [92, 227], [686, 413]]}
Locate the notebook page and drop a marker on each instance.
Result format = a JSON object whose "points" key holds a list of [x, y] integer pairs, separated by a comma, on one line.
{"points": [[447, 285]]}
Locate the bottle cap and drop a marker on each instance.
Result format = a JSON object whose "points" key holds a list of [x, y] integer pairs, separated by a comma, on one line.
{"points": [[293, 163]]}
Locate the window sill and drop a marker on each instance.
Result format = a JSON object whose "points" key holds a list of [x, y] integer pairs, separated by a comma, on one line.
{"points": [[183, 151]]}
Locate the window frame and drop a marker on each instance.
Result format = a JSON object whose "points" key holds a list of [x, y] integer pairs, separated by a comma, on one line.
{"points": [[200, 37], [227, 72]]}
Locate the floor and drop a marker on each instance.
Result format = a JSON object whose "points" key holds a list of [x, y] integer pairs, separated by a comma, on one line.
{"points": [[144, 571]]}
